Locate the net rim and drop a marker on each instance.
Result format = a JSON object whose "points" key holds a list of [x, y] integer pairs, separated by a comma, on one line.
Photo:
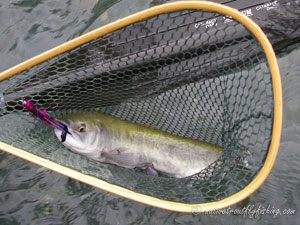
{"points": [[142, 198]]}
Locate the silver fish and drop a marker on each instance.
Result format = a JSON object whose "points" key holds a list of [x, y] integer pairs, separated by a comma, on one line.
{"points": [[112, 140]]}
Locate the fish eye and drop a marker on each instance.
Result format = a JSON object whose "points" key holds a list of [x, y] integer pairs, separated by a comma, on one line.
{"points": [[81, 128]]}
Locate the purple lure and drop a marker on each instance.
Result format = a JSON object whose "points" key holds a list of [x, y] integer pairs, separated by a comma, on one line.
{"points": [[42, 115]]}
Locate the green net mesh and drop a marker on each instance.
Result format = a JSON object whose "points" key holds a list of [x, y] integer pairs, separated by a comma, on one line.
{"points": [[191, 73]]}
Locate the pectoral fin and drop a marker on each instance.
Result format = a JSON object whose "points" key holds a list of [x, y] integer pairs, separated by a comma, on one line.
{"points": [[151, 171]]}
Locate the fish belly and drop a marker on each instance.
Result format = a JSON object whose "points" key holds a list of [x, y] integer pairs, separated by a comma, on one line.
{"points": [[166, 154]]}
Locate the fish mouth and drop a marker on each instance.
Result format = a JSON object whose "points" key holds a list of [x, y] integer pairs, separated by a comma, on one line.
{"points": [[72, 141], [59, 132]]}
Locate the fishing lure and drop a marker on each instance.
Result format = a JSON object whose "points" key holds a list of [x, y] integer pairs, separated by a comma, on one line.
{"points": [[42, 115]]}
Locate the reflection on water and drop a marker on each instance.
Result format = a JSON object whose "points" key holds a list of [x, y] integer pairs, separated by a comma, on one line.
{"points": [[33, 195]]}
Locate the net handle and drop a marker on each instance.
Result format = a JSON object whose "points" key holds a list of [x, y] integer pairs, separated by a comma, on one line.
{"points": [[152, 201]]}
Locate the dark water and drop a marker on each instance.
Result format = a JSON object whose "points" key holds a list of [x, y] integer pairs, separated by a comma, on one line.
{"points": [[32, 195]]}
